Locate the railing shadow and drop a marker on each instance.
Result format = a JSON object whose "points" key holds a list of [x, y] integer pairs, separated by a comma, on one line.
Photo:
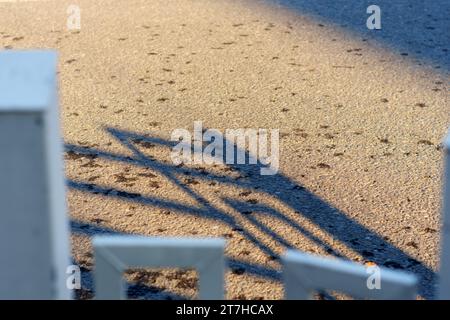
{"points": [[337, 224]]}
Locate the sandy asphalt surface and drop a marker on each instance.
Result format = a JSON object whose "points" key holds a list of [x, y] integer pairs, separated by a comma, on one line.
{"points": [[361, 122]]}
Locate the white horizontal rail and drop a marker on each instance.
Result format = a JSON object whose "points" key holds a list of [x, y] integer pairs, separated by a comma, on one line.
{"points": [[305, 274], [115, 254]]}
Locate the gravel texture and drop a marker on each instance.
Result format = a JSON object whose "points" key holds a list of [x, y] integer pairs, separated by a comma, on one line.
{"points": [[361, 123]]}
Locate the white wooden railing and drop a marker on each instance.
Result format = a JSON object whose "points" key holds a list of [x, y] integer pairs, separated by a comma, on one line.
{"points": [[115, 254], [34, 251], [34, 241], [444, 282], [305, 274]]}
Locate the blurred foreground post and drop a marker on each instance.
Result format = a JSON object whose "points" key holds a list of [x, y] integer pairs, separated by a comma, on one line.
{"points": [[305, 274], [444, 273], [34, 250], [115, 254]]}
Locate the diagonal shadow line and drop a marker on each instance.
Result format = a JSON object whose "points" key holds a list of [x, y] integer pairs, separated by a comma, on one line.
{"points": [[269, 211], [248, 212], [148, 200], [331, 220], [210, 209], [146, 163], [210, 213]]}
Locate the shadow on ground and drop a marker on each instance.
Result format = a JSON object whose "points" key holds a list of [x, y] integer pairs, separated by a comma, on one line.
{"points": [[414, 28], [370, 245]]}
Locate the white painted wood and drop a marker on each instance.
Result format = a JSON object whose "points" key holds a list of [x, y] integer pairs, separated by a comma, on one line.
{"points": [[34, 249], [115, 254], [305, 274], [444, 274]]}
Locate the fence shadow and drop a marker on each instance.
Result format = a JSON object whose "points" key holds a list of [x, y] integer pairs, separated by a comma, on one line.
{"points": [[337, 224]]}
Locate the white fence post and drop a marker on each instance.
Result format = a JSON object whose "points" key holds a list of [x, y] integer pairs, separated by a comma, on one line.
{"points": [[34, 250], [114, 254], [305, 274], [444, 273]]}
